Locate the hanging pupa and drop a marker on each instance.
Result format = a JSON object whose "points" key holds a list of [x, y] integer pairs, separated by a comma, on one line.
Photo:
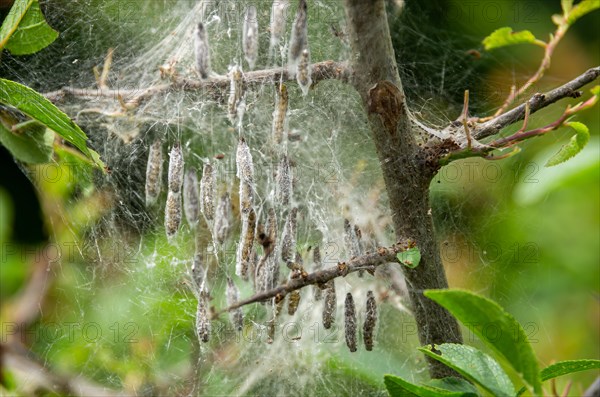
{"points": [[244, 251], [304, 72], [283, 187], [278, 16], [235, 105], [329, 305], [202, 319], [250, 36], [198, 272], [350, 322], [202, 50], [222, 218], [280, 114], [294, 296], [172, 214], [191, 201], [154, 172], [175, 174], [298, 40], [288, 239], [370, 321], [318, 265], [237, 317], [207, 191]]}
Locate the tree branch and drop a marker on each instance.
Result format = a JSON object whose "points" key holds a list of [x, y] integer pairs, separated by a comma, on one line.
{"points": [[325, 70], [375, 77], [536, 102], [25, 366], [367, 262], [492, 127]]}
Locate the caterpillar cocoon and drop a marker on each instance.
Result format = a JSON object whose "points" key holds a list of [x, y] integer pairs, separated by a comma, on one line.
{"points": [[329, 305], [350, 322], [198, 271], [244, 251], [207, 192], [317, 292], [202, 51], [351, 240], [297, 271], [235, 106], [268, 237], [370, 321], [202, 320], [175, 175], [250, 36], [293, 302], [304, 72], [278, 17], [280, 114], [298, 40], [260, 275], [272, 272], [245, 172], [272, 226], [246, 196], [237, 317], [359, 246], [172, 214], [288, 239], [191, 201], [222, 218], [283, 187], [245, 167], [154, 173]]}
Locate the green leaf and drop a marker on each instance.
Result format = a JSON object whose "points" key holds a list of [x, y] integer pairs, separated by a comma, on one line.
{"points": [[505, 36], [474, 365], [582, 8], [575, 145], [8, 379], [411, 257], [566, 6], [568, 367], [12, 20], [454, 384], [39, 108], [31, 145], [398, 387], [24, 30], [495, 327]]}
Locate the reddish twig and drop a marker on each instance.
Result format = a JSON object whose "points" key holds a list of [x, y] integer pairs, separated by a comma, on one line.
{"points": [[536, 102]]}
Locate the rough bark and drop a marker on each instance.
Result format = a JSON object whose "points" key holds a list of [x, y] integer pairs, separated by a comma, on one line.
{"points": [[375, 77]]}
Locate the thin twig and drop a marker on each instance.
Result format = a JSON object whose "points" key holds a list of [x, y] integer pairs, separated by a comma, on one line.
{"points": [[544, 65], [465, 119], [364, 262], [326, 70], [536, 102], [106, 69], [522, 135], [526, 119]]}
